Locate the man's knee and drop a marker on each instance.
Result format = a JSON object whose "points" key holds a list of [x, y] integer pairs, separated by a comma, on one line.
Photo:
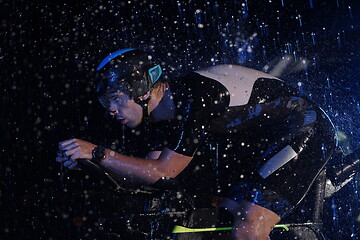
{"points": [[251, 221], [245, 231], [250, 231]]}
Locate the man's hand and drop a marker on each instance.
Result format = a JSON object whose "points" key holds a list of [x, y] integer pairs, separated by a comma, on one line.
{"points": [[73, 149]]}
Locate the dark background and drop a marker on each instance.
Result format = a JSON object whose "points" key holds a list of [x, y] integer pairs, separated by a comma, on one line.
{"points": [[48, 53]]}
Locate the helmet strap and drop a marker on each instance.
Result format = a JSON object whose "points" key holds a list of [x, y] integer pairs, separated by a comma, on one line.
{"points": [[144, 104]]}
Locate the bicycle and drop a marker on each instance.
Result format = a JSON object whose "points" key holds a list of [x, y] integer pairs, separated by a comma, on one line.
{"points": [[169, 213]]}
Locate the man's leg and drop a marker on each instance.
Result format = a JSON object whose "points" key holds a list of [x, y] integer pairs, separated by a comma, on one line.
{"points": [[251, 221]]}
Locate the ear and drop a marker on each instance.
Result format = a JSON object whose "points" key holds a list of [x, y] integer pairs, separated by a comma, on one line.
{"points": [[165, 86], [145, 96]]}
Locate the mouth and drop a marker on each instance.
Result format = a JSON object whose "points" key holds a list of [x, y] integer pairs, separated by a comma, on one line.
{"points": [[122, 120]]}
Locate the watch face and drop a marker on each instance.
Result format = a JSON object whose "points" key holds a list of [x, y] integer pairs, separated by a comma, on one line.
{"points": [[98, 154]]}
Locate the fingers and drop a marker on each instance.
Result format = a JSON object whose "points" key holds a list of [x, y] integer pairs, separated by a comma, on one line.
{"points": [[68, 163], [71, 152], [66, 149], [69, 146], [73, 149], [73, 165], [67, 142], [61, 159], [60, 153], [60, 156], [74, 156]]}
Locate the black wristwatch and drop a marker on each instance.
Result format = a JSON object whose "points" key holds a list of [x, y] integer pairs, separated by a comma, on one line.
{"points": [[98, 154]]}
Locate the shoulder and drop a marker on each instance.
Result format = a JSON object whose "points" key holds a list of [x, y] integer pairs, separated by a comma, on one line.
{"points": [[225, 71], [240, 81], [199, 95], [198, 87], [195, 79]]}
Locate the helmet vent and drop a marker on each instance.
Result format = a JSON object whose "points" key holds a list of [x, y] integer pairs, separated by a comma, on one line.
{"points": [[155, 73]]}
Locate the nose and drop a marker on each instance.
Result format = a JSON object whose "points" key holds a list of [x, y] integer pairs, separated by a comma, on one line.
{"points": [[113, 112]]}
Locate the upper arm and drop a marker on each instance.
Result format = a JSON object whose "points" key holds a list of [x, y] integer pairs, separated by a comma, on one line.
{"points": [[197, 103]]}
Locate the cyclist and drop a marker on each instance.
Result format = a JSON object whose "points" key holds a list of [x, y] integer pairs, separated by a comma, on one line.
{"points": [[227, 131]]}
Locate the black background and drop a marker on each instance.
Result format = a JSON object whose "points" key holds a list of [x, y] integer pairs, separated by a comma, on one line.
{"points": [[48, 53]]}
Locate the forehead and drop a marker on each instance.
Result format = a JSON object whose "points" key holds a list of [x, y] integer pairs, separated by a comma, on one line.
{"points": [[117, 94], [117, 97]]}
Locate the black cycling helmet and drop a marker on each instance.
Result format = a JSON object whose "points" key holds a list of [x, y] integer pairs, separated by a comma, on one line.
{"points": [[128, 70]]}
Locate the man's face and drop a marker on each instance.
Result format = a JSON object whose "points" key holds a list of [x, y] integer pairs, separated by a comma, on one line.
{"points": [[123, 108]]}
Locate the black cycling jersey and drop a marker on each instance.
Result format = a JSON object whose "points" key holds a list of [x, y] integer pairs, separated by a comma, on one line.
{"points": [[279, 138]]}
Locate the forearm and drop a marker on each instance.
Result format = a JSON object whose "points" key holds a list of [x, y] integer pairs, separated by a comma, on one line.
{"points": [[166, 163], [132, 169]]}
